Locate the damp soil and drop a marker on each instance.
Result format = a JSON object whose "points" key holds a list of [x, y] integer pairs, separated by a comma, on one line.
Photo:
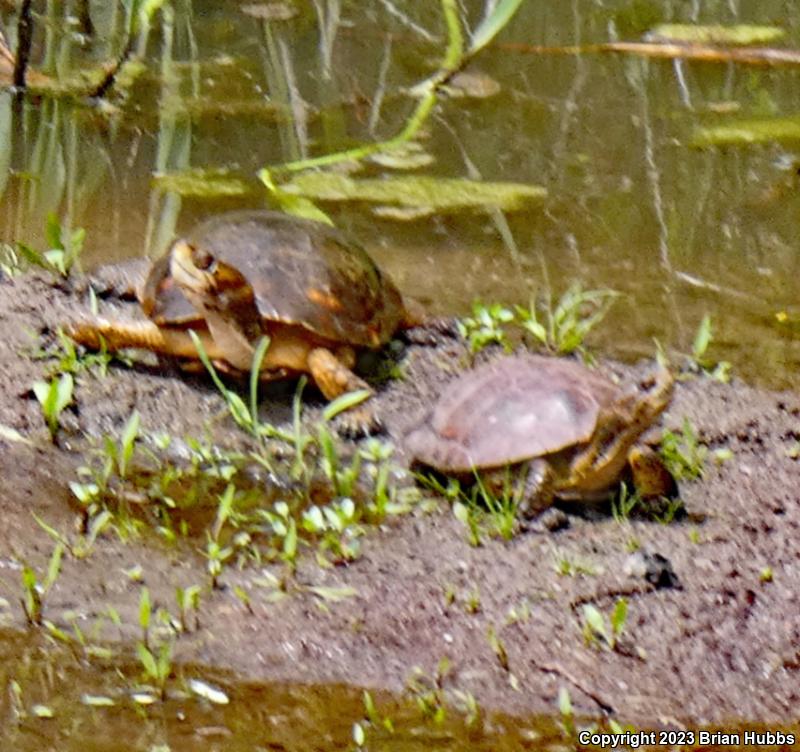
{"points": [[724, 646]]}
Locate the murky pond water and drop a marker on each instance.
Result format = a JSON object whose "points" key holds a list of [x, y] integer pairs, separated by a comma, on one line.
{"points": [[52, 699], [632, 205]]}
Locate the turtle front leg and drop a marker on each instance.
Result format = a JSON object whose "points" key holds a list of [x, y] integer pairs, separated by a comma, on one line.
{"points": [[540, 488], [334, 378], [650, 475], [94, 334], [536, 507]]}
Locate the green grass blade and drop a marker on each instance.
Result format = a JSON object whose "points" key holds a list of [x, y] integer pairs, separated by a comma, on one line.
{"points": [[345, 402], [255, 371], [493, 24]]}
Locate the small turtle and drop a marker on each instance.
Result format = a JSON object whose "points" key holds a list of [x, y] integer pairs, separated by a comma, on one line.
{"points": [[243, 274], [577, 430]]}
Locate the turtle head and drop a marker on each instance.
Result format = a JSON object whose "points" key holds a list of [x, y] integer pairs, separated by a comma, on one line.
{"points": [[654, 395], [206, 280]]}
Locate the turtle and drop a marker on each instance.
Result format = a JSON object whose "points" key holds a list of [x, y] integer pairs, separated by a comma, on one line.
{"points": [[575, 429], [243, 274]]}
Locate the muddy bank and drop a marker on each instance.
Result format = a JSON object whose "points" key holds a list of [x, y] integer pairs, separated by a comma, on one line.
{"points": [[726, 645]]}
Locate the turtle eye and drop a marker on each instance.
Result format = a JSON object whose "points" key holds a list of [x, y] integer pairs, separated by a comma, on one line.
{"points": [[203, 260]]}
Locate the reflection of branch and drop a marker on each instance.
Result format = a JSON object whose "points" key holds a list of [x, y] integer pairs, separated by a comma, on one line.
{"points": [[111, 74], [709, 53], [24, 38]]}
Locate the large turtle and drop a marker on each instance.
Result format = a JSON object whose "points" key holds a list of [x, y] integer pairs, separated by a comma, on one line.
{"points": [[243, 274], [577, 430]]}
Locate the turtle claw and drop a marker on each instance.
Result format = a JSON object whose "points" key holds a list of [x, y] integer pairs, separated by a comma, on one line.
{"points": [[359, 422]]}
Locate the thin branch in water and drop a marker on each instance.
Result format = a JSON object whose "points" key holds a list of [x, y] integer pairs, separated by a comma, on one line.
{"points": [[392, 10], [298, 104], [709, 53], [328, 28], [380, 91]]}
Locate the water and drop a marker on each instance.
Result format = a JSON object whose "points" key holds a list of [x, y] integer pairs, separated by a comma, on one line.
{"points": [[51, 700]]}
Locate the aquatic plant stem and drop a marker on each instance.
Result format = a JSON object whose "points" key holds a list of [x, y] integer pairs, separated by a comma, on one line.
{"points": [[455, 58]]}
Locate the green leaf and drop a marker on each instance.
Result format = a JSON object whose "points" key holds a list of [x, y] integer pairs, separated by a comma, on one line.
{"points": [[147, 660], [52, 232], [63, 392], [333, 594], [493, 24], [11, 434], [313, 521], [54, 567], [619, 615], [438, 194], [746, 132], [127, 442], [145, 609], [594, 619], [238, 409], [737, 34], [702, 339], [564, 703], [345, 402], [290, 541], [255, 371]]}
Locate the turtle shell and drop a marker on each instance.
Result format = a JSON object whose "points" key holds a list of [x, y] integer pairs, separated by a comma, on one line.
{"points": [[511, 410], [302, 272]]}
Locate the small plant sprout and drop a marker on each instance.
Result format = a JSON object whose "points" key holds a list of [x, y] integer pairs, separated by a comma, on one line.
{"points": [[683, 453], [337, 524], [623, 503], [595, 631], [428, 692], [157, 665], [244, 416], [563, 329], [343, 478], [486, 326], [156, 660], [216, 556], [188, 600], [284, 528], [470, 517], [64, 248], [68, 359], [567, 716], [493, 503], [371, 714], [498, 648], [569, 567], [378, 455], [127, 442], [54, 397], [33, 592], [472, 604], [698, 361]]}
